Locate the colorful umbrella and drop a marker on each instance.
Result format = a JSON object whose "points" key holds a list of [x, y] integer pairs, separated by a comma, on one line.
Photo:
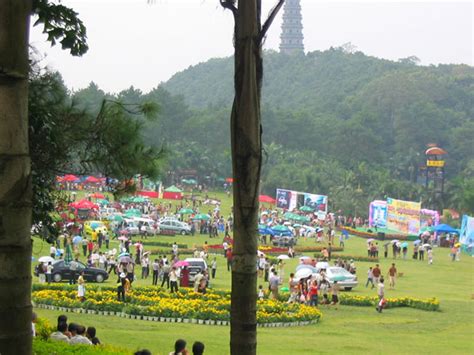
{"points": [[186, 211], [202, 216], [46, 259], [181, 263], [303, 273], [98, 195], [283, 257]]}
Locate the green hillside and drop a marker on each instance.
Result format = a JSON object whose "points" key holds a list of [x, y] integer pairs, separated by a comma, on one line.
{"points": [[344, 124]]}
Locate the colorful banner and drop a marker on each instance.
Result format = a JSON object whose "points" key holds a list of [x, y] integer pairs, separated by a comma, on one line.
{"points": [[403, 216], [466, 237], [290, 200], [378, 214], [318, 202], [283, 198]]}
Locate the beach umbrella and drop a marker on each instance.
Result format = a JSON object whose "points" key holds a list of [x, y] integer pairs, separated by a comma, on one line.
{"points": [[303, 273], [70, 178], [457, 245], [103, 202], [46, 259], [123, 254], [115, 217], [322, 265], [370, 240], [125, 259], [404, 245], [395, 241], [181, 263], [283, 257], [427, 245], [68, 256], [77, 239], [186, 211], [98, 195], [416, 242], [202, 216], [123, 238]]}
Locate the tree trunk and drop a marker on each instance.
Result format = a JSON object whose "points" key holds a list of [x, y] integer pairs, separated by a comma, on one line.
{"points": [[15, 181], [246, 164]]}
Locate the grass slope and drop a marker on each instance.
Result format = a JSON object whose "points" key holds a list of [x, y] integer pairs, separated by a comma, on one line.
{"points": [[348, 330]]}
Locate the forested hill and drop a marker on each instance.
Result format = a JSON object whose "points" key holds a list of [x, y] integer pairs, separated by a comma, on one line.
{"points": [[317, 81], [344, 124]]}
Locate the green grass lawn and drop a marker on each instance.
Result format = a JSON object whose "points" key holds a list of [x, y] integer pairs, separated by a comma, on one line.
{"points": [[347, 330]]}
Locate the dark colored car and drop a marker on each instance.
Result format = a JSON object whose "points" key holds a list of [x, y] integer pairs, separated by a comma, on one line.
{"points": [[62, 272]]}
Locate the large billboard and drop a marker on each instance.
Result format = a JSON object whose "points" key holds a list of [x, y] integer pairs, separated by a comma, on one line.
{"points": [[290, 200], [403, 216]]}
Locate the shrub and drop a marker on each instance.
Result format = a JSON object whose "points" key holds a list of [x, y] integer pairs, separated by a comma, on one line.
{"points": [[48, 347]]}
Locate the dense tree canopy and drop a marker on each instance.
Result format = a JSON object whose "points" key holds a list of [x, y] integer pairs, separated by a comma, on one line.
{"points": [[324, 115]]}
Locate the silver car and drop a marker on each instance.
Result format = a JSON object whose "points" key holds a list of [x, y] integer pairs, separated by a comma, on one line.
{"points": [[174, 226]]}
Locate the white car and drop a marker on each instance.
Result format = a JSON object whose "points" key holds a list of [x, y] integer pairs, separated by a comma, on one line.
{"points": [[343, 277], [195, 265], [148, 223]]}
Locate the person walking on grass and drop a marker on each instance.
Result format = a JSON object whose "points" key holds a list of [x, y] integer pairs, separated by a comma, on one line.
{"points": [[380, 294], [173, 277], [376, 272], [370, 278], [335, 294], [156, 270], [81, 287], [392, 274], [214, 268], [430, 256]]}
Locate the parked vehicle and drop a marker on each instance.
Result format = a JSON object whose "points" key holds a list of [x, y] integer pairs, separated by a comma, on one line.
{"points": [[174, 226], [61, 272], [95, 226], [150, 225], [195, 265], [130, 226], [344, 278], [284, 241]]}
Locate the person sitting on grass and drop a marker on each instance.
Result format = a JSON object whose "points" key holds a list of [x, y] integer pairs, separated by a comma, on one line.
{"points": [[198, 348], [79, 333], [91, 332], [60, 333], [179, 348]]}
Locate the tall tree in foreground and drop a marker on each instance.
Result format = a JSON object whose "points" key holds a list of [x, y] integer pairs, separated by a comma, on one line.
{"points": [[246, 144], [15, 180], [61, 24]]}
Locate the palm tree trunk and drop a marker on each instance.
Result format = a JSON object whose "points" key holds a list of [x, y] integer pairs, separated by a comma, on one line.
{"points": [[246, 164], [15, 186]]}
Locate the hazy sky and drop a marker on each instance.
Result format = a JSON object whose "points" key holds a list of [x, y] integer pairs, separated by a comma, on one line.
{"points": [[133, 43]]}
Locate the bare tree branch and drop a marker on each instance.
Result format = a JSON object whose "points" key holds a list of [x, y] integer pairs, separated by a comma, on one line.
{"points": [[270, 19], [229, 4]]}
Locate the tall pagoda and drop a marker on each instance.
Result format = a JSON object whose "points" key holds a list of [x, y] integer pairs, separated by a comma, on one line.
{"points": [[292, 28]]}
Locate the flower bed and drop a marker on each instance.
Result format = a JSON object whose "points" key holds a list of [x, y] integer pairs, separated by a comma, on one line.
{"points": [[427, 304], [349, 257], [375, 235], [158, 303], [153, 243]]}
